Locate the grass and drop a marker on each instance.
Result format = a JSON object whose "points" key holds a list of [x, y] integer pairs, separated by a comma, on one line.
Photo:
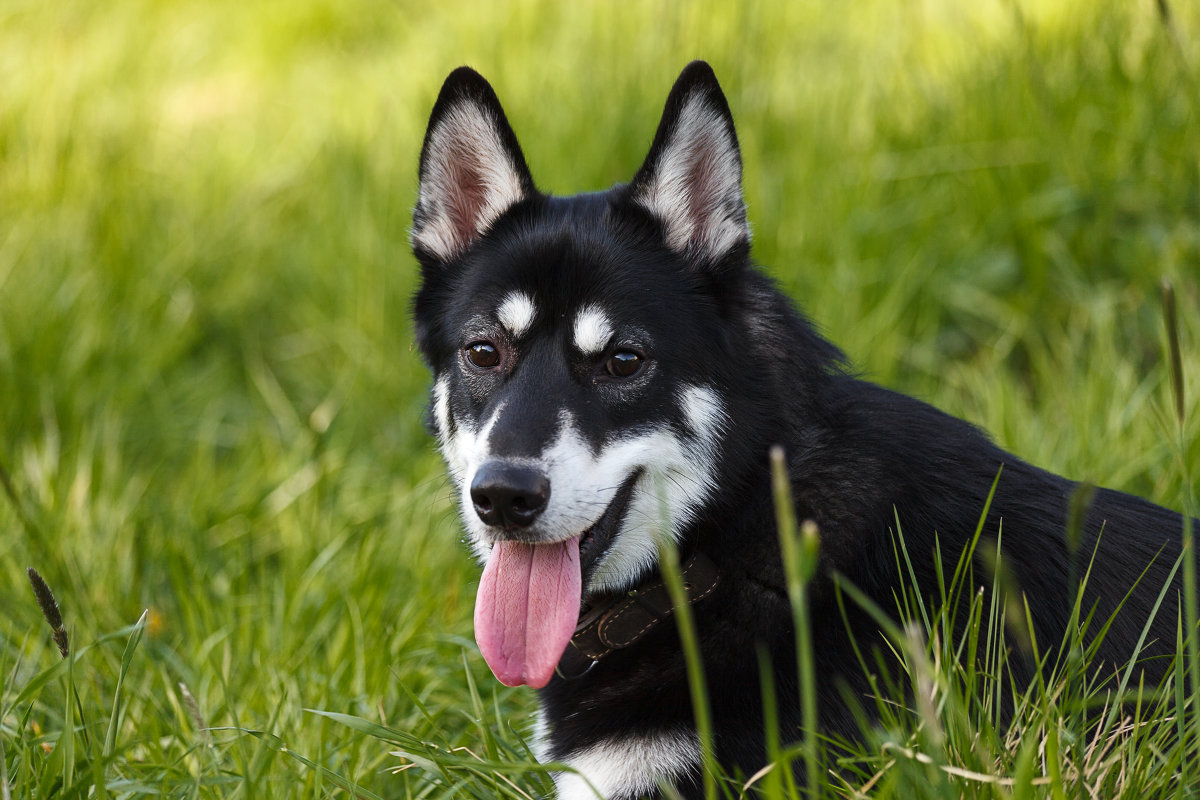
{"points": [[210, 409]]}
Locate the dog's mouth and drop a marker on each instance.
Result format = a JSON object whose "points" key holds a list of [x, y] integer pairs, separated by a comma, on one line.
{"points": [[596, 540], [530, 594]]}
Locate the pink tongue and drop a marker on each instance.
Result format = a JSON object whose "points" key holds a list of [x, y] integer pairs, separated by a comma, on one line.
{"points": [[526, 609]]}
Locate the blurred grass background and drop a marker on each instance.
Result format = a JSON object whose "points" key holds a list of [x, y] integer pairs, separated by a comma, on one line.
{"points": [[209, 402]]}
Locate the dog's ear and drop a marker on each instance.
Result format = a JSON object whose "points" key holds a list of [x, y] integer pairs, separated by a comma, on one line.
{"points": [[472, 169], [692, 178]]}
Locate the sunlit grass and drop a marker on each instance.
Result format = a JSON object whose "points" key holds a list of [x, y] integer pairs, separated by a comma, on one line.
{"points": [[210, 406]]}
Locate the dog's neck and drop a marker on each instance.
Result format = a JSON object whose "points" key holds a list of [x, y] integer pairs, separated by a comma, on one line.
{"points": [[616, 621]]}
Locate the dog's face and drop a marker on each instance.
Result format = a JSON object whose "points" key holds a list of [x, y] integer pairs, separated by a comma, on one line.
{"points": [[578, 355]]}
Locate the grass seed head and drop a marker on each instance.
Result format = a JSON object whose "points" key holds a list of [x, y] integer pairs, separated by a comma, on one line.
{"points": [[49, 606]]}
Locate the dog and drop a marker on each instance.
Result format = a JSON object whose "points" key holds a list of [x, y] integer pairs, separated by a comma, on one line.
{"points": [[611, 368]]}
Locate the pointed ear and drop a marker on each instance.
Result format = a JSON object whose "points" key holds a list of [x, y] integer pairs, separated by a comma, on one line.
{"points": [[692, 178], [472, 170]]}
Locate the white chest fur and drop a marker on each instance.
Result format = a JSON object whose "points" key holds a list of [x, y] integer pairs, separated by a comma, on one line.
{"points": [[628, 767]]}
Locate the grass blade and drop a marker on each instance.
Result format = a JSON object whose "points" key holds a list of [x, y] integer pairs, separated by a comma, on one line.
{"points": [[800, 554], [668, 561], [1174, 351], [110, 738]]}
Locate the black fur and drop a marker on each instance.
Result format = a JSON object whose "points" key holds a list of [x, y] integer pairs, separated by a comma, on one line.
{"points": [[860, 458]]}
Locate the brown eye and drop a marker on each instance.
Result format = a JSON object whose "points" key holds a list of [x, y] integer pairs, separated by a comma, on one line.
{"points": [[624, 364], [483, 355]]}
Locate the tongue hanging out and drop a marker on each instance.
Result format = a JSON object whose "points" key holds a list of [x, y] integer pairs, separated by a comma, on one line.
{"points": [[526, 610]]}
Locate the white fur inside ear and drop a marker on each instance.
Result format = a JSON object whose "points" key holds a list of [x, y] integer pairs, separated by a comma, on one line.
{"points": [[696, 186], [469, 181]]}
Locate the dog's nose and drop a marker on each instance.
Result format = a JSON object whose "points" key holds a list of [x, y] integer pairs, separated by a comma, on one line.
{"points": [[511, 495]]}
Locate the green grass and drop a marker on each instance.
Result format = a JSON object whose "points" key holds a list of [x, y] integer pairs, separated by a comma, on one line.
{"points": [[210, 406]]}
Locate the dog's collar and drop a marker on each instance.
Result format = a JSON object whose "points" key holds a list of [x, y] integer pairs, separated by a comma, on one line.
{"points": [[614, 622]]}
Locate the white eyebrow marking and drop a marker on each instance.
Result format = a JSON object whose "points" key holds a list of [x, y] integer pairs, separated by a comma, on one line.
{"points": [[516, 312], [593, 330]]}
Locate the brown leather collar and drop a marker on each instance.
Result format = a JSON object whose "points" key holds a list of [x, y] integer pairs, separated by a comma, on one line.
{"points": [[614, 622]]}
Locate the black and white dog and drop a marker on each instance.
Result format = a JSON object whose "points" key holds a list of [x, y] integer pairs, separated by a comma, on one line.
{"points": [[612, 367]]}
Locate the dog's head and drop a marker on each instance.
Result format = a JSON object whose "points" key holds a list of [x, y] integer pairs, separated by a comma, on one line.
{"points": [[580, 354]]}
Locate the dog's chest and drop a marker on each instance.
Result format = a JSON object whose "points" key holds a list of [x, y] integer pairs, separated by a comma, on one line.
{"points": [[627, 767]]}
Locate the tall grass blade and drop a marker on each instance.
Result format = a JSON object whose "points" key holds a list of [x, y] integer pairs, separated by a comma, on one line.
{"points": [[1191, 595], [668, 562], [66, 741], [1181, 681], [1174, 351], [5, 792], [479, 709], [240, 748], [1077, 509], [110, 738], [800, 556], [771, 774], [1116, 708]]}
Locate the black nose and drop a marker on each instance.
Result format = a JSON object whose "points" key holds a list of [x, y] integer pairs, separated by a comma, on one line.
{"points": [[512, 495]]}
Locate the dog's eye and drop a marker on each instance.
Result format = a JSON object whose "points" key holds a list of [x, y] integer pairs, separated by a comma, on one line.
{"points": [[483, 355], [624, 364]]}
